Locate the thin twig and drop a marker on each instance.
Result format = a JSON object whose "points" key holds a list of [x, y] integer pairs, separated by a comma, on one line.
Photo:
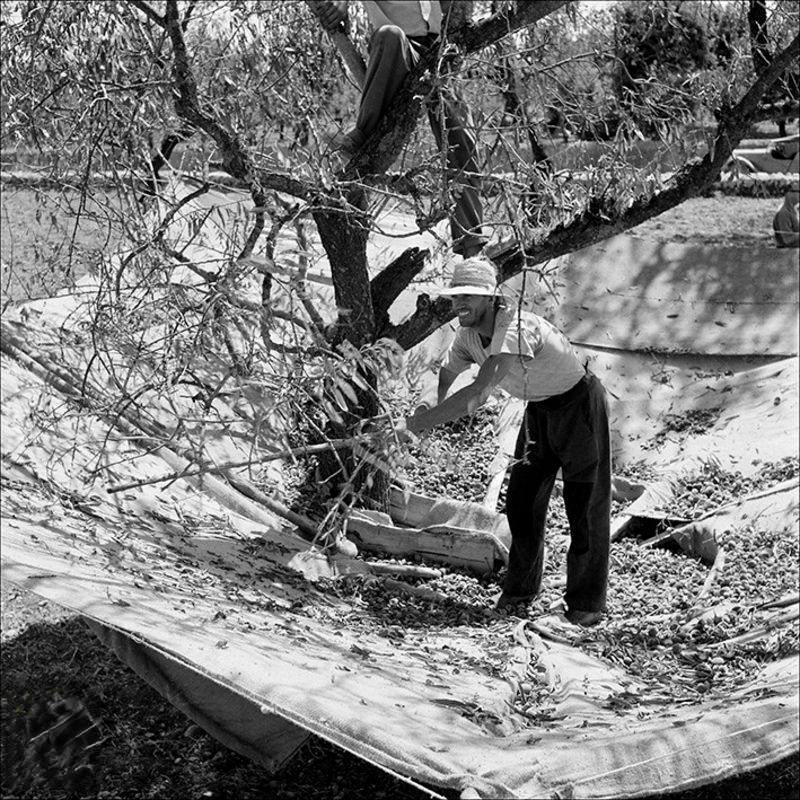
{"points": [[213, 469], [770, 625]]}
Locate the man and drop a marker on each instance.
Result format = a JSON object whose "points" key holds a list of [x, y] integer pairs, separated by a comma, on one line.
{"points": [[786, 223], [402, 31], [565, 426]]}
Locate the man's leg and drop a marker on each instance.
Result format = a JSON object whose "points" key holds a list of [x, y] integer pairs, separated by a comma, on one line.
{"points": [[391, 58], [587, 501], [530, 485], [466, 219], [588, 507]]}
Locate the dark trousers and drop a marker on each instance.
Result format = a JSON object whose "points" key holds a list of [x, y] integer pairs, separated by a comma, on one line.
{"points": [[570, 432], [392, 56]]}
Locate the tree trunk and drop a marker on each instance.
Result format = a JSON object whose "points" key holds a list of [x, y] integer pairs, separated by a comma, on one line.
{"points": [[344, 230]]}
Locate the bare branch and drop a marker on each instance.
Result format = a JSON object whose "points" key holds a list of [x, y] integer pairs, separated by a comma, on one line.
{"points": [[387, 285], [216, 469], [477, 37], [158, 235], [236, 160]]}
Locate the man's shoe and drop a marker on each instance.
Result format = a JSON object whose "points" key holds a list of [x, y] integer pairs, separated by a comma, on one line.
{"points": [[584, 618], [512, 600]]}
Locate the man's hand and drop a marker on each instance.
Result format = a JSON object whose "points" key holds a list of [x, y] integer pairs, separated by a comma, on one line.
{"points": [[331, 13], [404, 434], [414, 423], [386, 430]]}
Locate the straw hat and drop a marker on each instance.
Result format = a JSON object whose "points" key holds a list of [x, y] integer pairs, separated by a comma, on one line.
{"points": [[472, 276]]}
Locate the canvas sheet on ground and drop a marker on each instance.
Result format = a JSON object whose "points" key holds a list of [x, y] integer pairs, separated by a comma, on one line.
{"points": [[631, 293], [209, 597], [209, 589]]}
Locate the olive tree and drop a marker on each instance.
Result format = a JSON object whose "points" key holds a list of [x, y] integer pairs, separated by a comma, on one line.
{"points": [[254, 90]]}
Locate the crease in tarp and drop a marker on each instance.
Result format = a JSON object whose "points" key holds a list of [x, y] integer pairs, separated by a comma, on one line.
{"points": [[227, 735]]}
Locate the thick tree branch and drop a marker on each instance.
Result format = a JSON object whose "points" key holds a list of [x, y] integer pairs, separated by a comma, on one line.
{"points": [[477, 37], [150, 12], [387, 285], [599, 220], [235, 159]]}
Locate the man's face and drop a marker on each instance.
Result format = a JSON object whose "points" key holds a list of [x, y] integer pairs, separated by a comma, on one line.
{"points": [[471, 309]]}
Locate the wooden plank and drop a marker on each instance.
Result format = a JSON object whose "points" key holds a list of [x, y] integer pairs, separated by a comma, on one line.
{"points": [[418, 511], [475, 550]]}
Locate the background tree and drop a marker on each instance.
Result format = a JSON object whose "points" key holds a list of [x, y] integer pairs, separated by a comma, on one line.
{"points": [[251, 91]]}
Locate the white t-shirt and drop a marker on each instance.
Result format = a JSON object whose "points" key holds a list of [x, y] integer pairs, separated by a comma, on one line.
{"points": [[413, 17], [552, 366]]}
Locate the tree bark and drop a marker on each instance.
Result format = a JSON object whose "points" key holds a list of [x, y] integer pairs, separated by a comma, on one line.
{"points": [[344, 228]]}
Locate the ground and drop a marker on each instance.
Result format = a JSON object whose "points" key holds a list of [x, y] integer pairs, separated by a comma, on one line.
{"points": [[717, 219], [148, 749]]}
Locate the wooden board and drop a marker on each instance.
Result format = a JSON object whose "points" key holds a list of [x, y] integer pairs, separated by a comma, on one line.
{"points": [[474, 550]]}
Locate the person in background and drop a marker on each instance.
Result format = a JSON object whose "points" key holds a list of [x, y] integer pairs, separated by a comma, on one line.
{"points": [[402, 31], [786, 222], [565, 427]]}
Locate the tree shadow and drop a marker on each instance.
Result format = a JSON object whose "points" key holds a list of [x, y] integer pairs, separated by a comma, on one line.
{"points": [[150, 749]]}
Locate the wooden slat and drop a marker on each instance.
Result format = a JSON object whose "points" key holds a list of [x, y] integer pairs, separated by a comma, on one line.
{"points": [[472, 549]]}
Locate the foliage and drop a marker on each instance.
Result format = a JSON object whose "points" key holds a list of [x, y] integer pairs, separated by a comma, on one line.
{"points": [[216, 293]]}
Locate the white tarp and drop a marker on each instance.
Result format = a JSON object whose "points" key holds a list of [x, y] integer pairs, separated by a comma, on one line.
{"points": [[208, 596], [636, 294], [205, 588]]}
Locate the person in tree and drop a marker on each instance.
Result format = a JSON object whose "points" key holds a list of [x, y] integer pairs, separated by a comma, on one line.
{"points": [[402, 31], [565, 427]]}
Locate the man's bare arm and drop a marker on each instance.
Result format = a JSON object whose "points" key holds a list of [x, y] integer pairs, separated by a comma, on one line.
{"points": [[466, 400], [331, 13], [446, 380], [435, 389]]}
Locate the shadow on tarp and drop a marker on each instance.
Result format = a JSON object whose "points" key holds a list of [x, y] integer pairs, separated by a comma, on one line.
{"points": [[392, 703], [146, 737], [641, 295]]}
